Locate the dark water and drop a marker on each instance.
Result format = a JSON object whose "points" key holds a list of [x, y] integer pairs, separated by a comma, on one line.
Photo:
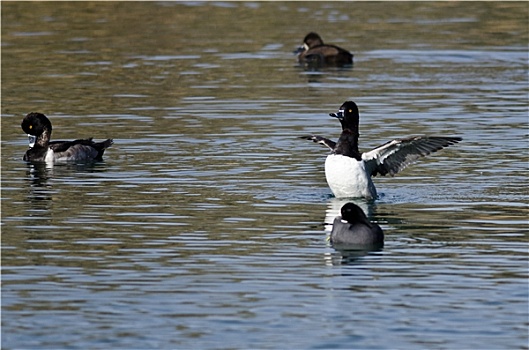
{"points": [[205, 225]]}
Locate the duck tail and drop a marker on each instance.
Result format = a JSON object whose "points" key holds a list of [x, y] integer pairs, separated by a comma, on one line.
{"points": [[101, 147]]}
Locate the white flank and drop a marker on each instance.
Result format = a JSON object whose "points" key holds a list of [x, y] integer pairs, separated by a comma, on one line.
{"points": [[49, 156]]}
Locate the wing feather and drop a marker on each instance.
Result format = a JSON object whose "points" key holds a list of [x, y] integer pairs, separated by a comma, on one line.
{"points": [[81, 149], [393, 156], [321, 140]]}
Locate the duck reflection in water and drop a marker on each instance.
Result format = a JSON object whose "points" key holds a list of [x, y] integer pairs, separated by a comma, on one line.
{"points": [[40, 178], [37, 176]]}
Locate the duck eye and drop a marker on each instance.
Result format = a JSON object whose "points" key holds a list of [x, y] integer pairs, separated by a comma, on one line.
{"points": [[350, 111], [30, 126]]}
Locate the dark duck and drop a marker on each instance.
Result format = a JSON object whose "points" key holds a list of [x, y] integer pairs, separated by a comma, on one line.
{"points": [[38, 127], [314, 53], [353, 228]]}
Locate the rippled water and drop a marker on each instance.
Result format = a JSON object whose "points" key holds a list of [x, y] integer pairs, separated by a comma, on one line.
{"points": [[206, 224]]}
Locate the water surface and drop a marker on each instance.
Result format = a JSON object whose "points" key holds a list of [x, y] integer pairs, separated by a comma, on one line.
{"points": [[206, 224]]}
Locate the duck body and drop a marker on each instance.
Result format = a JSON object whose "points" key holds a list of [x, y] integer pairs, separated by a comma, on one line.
{"points": [[38, 127], [314, 53], [353, 228], [349, 173], [81, 150], [348, 177]]}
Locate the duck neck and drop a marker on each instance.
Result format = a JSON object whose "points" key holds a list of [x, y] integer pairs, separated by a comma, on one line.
{"points": [[347, 144], [44, 139]]}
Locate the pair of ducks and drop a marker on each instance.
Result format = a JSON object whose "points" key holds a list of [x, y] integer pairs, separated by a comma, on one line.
{"points": [[348, 172], [38, 127]]}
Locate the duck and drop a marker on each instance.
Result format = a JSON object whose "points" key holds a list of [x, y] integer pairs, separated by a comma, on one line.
{"points": [[349, 172], [41, 149], [353, 228], [314, 53]]}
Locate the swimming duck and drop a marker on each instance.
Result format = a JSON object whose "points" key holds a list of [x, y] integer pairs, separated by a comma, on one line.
{"points": [[353, 228], [314, 53], [38, 127], [348, 172]]}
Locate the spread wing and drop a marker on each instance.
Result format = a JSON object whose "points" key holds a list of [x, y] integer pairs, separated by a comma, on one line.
{"points": [[321, 140], [393, 156]]}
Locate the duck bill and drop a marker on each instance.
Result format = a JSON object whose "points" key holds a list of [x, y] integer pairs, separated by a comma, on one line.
{"points": [[338, 115], [301, 49], [32, 139]]}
